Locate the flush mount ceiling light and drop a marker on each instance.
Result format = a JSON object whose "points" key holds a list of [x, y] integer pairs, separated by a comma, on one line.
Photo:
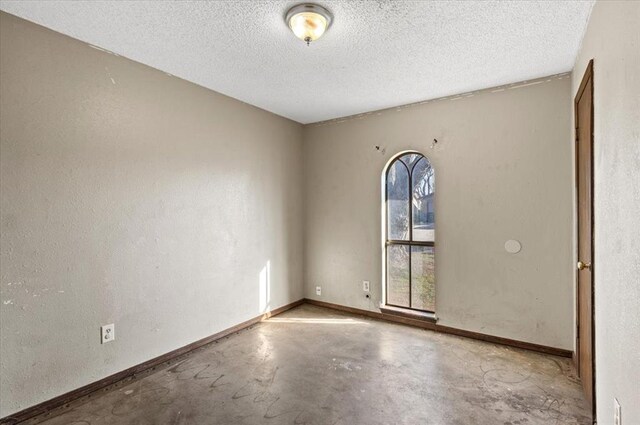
{"points": [[308, 21]]}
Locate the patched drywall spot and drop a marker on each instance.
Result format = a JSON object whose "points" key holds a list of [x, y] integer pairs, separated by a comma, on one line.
{"points": [[102, 50], [512, 246]]}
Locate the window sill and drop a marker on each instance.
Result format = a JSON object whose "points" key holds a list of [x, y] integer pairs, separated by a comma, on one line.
{"points": [[423, 316]]}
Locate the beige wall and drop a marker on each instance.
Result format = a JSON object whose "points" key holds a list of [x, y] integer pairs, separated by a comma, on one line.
{"points": [[130, 197], [503, 171], [612, 40]]}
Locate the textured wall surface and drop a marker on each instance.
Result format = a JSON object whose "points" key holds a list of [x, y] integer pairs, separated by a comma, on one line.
{"points": [[502, 172], [130, 197], [612, 40], [377, 54]]}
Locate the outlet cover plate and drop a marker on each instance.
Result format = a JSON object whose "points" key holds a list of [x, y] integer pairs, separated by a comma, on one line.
{"points": [[365, 285], [318, 290], [107, 333]]}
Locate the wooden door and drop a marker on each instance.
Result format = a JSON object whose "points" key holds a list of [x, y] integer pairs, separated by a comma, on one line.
{"points": [[584, 183]]}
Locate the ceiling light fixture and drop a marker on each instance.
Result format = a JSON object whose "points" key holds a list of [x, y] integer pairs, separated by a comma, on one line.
{"points": [[308, 21]]}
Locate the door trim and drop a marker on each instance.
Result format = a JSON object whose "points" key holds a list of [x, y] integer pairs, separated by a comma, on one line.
{"points": [[586, 79]]}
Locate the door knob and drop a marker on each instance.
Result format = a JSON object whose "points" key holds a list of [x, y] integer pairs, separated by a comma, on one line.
{"points": [[582, 266]]}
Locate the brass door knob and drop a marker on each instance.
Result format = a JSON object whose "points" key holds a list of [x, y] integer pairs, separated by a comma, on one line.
{"points": [[582, 266]]}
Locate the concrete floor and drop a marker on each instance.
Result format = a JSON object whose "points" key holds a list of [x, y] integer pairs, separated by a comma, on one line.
{"points": [[316, 366]]}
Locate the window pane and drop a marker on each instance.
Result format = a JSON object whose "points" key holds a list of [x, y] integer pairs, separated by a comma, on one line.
{"points": [[423, 201], [398, 202], [410, 159], [398, 275], [423, 278]]}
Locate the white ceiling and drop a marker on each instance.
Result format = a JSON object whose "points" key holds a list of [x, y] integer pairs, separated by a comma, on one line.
{"points": [[377, 54]]}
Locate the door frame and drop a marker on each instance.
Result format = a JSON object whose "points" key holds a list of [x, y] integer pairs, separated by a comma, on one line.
{"points": [[587, 78]]}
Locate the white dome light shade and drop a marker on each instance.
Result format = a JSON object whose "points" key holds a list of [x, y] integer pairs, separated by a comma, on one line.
{"points": [[308, 21]]}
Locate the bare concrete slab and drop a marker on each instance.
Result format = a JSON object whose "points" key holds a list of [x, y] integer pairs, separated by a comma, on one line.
{"points": [[316, 366]]}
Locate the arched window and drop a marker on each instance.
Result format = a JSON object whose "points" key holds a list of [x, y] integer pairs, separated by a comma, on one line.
{"points": [[410, 233]]}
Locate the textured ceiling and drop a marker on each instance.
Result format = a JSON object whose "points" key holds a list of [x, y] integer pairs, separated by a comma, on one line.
{"points": [[377, 54]]}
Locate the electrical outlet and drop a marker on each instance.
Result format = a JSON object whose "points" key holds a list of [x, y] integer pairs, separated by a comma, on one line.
{"points": [[617, 413], [108, 333], [365, 285], [318, 290]]}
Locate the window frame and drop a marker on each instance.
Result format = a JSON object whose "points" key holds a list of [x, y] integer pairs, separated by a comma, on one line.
{"points": [[410, 242]]}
